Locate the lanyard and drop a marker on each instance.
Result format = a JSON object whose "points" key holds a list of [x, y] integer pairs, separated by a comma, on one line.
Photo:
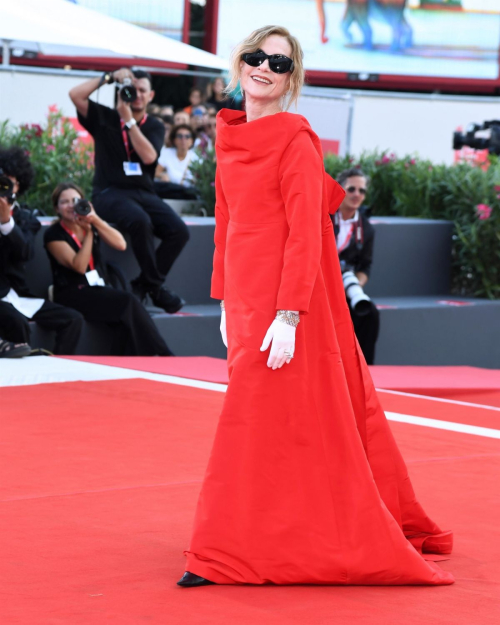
{"points": [[347, 240], [359, 232], [129, 150], [78, 242]]}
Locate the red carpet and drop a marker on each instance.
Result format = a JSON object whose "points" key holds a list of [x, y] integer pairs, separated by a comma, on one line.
{"points": [[192, 367], [100, 480], [469, 384]]}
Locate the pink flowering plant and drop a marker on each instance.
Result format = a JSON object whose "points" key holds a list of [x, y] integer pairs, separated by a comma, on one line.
{"points": [[56, 154]]}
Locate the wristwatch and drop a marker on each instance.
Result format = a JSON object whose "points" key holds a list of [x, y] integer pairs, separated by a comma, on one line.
{"points": [[130, 123], [108, 78]]}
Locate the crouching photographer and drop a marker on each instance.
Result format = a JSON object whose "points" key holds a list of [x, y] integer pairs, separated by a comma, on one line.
{"points": [[73, 244], [355, 235], [18, 229]]}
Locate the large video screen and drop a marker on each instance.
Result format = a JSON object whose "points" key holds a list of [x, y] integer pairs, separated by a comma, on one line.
{"points": [[165, 18], [453, 39]]}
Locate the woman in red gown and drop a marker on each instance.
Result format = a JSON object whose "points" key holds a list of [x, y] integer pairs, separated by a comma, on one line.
{"points": [[305, 483]]}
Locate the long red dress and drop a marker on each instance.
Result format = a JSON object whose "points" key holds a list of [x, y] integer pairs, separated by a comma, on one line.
{"points": [[305, 483]]}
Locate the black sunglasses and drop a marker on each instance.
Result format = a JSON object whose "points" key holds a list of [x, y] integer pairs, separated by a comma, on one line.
{"points": [[183, 136], [278, 63], [361, 190]]}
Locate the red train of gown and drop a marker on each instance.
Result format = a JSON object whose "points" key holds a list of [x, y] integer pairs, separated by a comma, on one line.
{"points": [[305, 483]]}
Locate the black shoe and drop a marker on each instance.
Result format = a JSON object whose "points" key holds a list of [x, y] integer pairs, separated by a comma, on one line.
{"points": [[168, 300], [14, 350], [189, 580]]}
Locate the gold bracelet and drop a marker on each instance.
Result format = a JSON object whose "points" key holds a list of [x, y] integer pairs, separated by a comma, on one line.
{"points": [[288, 317]]}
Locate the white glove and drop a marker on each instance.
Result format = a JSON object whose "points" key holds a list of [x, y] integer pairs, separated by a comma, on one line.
{"points": [[223, 327], [283, 337]]}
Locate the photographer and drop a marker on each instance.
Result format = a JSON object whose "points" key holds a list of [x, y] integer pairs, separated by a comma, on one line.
{"points": [[73, 246], [355, 236], [127, 146], [18, 228]]}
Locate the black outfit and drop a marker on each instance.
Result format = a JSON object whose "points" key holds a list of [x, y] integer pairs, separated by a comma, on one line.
{"points": [[130, 202], [358, 255], [16, 248], [135, 332]]}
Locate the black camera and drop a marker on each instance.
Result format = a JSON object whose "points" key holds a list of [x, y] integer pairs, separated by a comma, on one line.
{"points": [[82, 207], [128, 93], [6, 187], [357, 298], [491, 143]]}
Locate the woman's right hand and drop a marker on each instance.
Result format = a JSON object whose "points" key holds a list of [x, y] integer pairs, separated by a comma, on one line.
{"points": [[223, 327]]}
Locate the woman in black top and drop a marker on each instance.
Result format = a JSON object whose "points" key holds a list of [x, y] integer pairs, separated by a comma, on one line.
{"points": [[73, 247]]}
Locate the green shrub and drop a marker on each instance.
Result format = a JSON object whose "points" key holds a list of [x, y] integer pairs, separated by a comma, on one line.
{"points": [[411, 187], [56, 154]]}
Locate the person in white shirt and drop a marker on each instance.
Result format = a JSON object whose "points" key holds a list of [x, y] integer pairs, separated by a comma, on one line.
{"points": [[174, 162]]}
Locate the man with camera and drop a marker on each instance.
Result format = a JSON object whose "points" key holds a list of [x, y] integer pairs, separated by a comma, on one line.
{"points": [[127, 146], [18, 228], [355, 236]]}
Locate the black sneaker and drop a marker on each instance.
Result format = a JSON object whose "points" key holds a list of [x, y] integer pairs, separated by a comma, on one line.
{"points": [[168, 300], [14, 350]]}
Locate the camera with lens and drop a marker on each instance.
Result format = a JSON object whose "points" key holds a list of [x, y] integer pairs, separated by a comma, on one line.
{"points": [[128, 93], [6, 187], [82, 207], [469, 138], [357, 298]]}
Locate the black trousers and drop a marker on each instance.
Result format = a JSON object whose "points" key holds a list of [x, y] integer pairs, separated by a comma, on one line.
{"points": [[143, 215], [135, 333], [66, 322], [366, 328]]}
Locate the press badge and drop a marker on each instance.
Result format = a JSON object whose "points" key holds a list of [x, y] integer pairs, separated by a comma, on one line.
{"points": [[94, 279], [132, 169]]}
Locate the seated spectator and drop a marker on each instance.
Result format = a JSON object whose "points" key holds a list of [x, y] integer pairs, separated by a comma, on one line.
{"points": [[153, 109], [167, 109], [181, 117], [211, 110], [198, 119], [14, 350], [216, 96], [168, 122], [174, 162], [18, 228], [195, 99], [206, 139], [80, 280], [355, 236]]}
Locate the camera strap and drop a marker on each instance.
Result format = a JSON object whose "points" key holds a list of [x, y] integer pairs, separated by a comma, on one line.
{"points": [[126, 143], [78, 242], [356, 228]]}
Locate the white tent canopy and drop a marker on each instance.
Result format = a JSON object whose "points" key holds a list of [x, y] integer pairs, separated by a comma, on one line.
{"points": [[61, 28]]}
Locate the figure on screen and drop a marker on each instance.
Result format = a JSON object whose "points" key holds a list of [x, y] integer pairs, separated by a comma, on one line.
{"points": [[389, 11], [322, 20]]}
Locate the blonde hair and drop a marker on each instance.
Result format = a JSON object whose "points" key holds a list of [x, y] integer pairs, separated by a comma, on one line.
{"points": [[253, 43]]}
